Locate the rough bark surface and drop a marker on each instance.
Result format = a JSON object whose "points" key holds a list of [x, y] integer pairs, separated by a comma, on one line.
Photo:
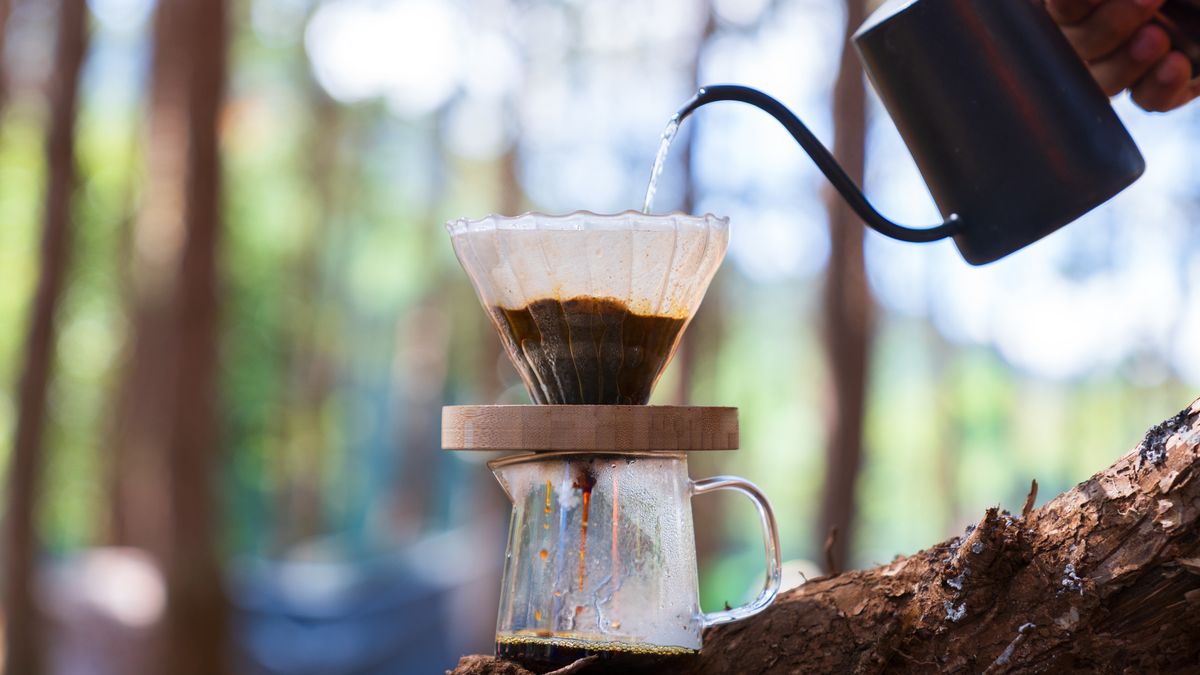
{"points": [[1104, 578]]}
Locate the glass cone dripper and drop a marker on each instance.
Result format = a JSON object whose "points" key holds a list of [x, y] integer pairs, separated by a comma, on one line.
{"points": [[590, 307]]}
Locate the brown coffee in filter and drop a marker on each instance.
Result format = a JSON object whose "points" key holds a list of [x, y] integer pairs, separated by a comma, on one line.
{"points": [[590, 307], [588, 350]]}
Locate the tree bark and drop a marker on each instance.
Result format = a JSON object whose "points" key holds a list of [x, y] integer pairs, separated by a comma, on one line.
{"points": [[1104, 578], [196, 630], [137, 469], [5, 12], [167, 436], [847, 308], [22, 620]]}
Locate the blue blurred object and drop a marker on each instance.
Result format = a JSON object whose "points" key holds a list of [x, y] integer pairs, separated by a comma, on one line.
{"points": [[372, 617]]}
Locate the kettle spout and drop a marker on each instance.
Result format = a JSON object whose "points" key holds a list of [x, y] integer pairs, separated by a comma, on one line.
{"points": [[821, 156]]}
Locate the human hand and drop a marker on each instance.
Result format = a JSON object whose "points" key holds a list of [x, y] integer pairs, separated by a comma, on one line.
{"points": [[1124, 50]]}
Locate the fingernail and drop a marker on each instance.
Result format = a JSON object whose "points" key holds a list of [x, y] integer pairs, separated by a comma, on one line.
{"points": [[1145, 46]]}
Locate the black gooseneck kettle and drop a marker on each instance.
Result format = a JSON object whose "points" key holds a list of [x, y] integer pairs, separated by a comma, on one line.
{"points": [[1011, 133]]}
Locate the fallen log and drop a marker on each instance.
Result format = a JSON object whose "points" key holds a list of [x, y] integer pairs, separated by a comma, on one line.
{"points": [[1104, 578]]}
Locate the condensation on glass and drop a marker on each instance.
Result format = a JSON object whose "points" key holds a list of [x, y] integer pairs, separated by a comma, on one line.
{"points": [[601, 549]]}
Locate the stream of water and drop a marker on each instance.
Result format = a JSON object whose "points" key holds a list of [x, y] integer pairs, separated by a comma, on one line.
{"points": [[660, 161]]}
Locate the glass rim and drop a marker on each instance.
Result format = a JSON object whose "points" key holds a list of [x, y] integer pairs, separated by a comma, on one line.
{"points": [[584, 220], [525, 457]]}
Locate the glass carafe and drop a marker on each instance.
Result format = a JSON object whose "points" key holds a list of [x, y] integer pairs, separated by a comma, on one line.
{"points": [[602, 559]]}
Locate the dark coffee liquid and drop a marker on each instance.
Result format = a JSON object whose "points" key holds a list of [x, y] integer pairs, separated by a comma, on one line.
{"points": [[587, 350], [541, 654]]}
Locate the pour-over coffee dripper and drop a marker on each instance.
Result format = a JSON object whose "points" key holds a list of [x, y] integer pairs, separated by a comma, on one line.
{"points": [[601, 550], [590, 307]]}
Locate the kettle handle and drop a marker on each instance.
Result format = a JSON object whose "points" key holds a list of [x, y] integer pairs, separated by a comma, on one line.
{"points": [[822, 158], [770, 543]]}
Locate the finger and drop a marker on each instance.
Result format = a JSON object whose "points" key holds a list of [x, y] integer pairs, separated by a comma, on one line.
{"points": [[1067, 12], [1166, 86], [1123, 68], [1191, 91], [1109, 27]]}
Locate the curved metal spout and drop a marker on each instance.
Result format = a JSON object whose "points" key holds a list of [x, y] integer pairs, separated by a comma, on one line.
{"points": [[823, 159]]}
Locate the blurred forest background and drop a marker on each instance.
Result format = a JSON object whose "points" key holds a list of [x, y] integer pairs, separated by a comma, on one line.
{"points": [[229, 313]]}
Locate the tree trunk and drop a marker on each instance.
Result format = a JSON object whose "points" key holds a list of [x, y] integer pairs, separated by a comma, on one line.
{"points": [[139, 503], [847, 308], [196, 617], [21, 616], [1104, 578], [698, 339], [5, 12], [167, 435], [420, 379], [307, 375], [686, 353]]}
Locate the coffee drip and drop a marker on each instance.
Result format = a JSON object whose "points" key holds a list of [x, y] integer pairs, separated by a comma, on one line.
{"points": [[587, 350]]}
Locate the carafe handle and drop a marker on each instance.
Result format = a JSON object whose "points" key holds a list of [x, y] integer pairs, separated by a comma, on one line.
{"points": [[770, 544]]}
